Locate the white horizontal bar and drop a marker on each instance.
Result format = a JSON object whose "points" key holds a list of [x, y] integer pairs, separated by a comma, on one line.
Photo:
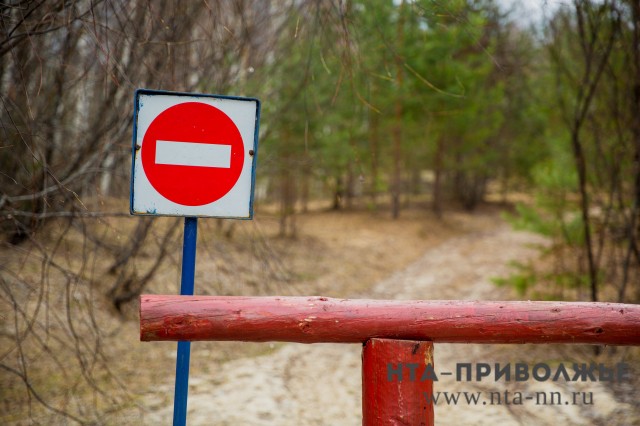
{"points": [[193, 154]]}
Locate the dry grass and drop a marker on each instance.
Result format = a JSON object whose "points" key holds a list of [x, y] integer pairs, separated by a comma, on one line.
{"points": [[337, 254], [61, 282]]}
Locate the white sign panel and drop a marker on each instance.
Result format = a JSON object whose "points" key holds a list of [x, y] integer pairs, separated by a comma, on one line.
{"points": [[194, 155]]}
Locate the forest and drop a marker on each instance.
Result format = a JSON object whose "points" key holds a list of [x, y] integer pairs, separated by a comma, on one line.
{"points": [[384, 107]]}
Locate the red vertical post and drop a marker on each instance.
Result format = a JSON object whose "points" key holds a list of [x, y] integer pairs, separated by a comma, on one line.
{"points": [[396, 382]]}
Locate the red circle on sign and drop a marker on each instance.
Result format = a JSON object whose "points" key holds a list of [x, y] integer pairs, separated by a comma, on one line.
{"points": [[184, 125]]}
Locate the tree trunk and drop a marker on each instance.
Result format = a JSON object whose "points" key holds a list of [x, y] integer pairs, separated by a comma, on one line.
{"points": [[287, 199], [397, 131], [374, 136], [350, 186], [584, 210], [437, 180], [633, 233]]}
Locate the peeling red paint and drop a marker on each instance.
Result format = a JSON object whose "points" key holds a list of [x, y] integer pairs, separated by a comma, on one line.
{"points": [[295, 319], [395, 402]]}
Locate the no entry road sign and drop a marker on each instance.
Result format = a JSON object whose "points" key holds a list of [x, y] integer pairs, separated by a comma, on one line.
{"points": [[193, 154]]}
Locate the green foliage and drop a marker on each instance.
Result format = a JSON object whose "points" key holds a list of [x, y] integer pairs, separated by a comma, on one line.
{"points": [[475, 101], [554, 212], [444, 64], [582, 87], [522, 279]]}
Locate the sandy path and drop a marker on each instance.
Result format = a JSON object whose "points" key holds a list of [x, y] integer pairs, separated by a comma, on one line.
{"points": [[320, 384]]}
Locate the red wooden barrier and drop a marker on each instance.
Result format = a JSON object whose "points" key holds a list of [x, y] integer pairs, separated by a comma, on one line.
{"points": [[388, 400], [321, 319]]}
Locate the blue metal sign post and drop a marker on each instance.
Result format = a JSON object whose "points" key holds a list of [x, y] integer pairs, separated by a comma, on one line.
{"points": [[184, 348], [193, 155]]}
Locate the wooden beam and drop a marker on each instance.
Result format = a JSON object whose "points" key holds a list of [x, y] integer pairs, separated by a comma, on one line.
{"points": [[392, 393], [322, 319]]}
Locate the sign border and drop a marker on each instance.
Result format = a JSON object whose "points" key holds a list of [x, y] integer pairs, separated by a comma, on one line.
{"points": [[142, 91]]}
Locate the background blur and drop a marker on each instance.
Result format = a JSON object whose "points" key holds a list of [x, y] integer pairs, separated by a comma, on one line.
{"points": [[395, 110]]}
